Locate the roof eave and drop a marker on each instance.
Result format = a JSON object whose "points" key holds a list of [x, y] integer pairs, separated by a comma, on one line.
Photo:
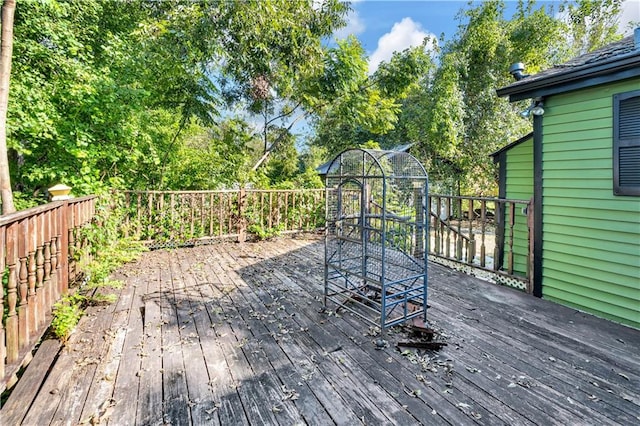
{"points": [[513, 144], [620, 69]]}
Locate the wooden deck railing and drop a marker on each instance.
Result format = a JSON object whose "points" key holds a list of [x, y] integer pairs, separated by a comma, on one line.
{"points": [[38, 248], [488, 233], [167, 218]]}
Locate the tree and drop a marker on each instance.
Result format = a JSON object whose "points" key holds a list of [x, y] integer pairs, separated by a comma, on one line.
{"points": [[8, 9], [455, 118], [360, 107], [274, 47], [591, 23]]}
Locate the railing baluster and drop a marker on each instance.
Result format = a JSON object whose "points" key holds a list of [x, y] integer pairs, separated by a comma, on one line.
{"points": [[211, 215], [32, 269], [242, 221], [483, 224], [150, 219], [512, 221], [46, 280], [201, 232], [23, 283], [139, 212], [471, 253], [220, 213], [12, 341], [192, 214], [55, 281]]}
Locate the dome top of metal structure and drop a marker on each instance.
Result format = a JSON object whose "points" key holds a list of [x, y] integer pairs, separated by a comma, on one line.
{"points": [[375, 162]]}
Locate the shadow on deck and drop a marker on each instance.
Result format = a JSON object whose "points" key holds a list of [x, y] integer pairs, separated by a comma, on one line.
{"points": [[232, 334]]}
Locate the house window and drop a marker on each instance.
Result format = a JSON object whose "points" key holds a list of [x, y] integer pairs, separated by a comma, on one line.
{"points": [[626, 143]]}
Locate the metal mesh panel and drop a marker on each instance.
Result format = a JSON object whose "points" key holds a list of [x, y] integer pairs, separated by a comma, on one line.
{"points": [[376, 236]]}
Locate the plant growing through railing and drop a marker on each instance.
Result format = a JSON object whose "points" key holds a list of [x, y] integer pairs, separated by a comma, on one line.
{"points": [[106, 249], [265, 233], [66, 314]]}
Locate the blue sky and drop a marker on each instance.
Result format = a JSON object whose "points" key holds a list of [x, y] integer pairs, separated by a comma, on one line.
{"points": [[385, 26]]}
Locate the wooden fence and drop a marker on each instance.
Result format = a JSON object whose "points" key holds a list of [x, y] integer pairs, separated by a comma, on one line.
{"points": [[175, 218], [38, 258], [488, 233]]}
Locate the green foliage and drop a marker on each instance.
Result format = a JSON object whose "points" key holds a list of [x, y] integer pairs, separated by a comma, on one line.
{"points": [[591, 23], [283, 164], [367, 106], [265, 233], [108, 251], [106, 246], [125, 94], [66, 314], [212, 158]]}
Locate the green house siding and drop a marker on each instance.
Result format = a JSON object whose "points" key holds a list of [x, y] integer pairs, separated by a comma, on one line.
{"points": [[519, 185], [591, 248]]}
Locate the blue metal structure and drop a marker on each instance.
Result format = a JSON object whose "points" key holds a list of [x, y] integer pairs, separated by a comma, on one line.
{"points": [[376, 236]]}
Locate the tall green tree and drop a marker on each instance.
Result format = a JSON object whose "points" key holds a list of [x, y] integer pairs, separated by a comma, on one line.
{"points": [[456, 118], [361, 107]]}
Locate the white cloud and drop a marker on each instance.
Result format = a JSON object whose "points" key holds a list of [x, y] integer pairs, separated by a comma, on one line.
{"points": [[403, 34], [355, 25], [630, 14]]}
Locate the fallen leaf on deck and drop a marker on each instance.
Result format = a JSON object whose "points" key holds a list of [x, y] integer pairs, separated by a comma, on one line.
{"points": [[624, 376]]}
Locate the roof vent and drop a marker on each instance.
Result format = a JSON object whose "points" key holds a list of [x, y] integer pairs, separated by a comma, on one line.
{"points": [[517, 71]]}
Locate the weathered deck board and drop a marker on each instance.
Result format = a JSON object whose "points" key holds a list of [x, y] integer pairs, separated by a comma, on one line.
{"points": [[233, 334], [149, 409], [16, 407]]}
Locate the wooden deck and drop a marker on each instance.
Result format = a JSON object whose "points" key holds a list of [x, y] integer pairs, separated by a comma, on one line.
{"points": [[232, 334]]}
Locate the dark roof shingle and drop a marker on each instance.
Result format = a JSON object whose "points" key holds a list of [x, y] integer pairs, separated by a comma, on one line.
{"points": [[599, 61]]}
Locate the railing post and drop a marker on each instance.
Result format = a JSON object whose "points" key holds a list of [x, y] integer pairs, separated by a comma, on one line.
{"points": [[438, 230], [2, 332], [242, 220], [63, 249], [498, 252], [418, 249], [47, 291], [458, 236], [530, 258], [512, 222], [54, 289], [71, 243]]}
